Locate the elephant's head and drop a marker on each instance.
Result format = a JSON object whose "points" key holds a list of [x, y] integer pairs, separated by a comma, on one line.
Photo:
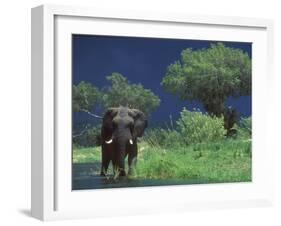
{"points": [[123, 125], [120, 129]]}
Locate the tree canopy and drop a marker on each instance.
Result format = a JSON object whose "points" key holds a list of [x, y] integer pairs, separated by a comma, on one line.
{"points": [[86, 97], [122, 92], [210, 76]]}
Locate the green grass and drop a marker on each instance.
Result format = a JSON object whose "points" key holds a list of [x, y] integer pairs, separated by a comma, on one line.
{"points": [[86, 155], [225, 161]]}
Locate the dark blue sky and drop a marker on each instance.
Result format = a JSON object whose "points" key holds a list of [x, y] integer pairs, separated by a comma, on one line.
{"points": [[141, 60]]}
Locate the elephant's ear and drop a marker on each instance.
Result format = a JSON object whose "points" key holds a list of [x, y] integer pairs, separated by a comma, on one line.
{"points": [[140, 122], [107, 127]]}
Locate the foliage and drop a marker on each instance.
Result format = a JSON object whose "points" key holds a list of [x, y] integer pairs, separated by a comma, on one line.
{"points": [[122, 92], [192, 127], [196, 127], [210, 76], [85, 97], [89, 137], [159, 137], [246, 124], [244, 128]]}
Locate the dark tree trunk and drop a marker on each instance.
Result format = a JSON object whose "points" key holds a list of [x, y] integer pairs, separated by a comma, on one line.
{"points": [[215, 109], [229, 115]]}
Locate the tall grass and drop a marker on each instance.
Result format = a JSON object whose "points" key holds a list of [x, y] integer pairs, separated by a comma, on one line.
{"points": [[244, 128], [211, 162]]}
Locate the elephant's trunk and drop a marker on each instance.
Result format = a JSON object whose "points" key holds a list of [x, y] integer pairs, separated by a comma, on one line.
{"points": [[121, 141], [120, 154]]}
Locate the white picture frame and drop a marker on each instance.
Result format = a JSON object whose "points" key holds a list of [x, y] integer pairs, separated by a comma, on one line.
{"points": [[52, 197]]}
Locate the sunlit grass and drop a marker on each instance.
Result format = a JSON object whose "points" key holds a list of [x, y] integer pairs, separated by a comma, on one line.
{"points": [[225, 161], [86, 155]]}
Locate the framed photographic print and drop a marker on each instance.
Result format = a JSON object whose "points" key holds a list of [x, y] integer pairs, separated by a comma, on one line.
{"points": [[149, 112]]}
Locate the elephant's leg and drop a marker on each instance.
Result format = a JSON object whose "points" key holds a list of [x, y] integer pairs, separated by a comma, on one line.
{"points": [[104, 166], [132, 158], [105, 160], [116, 171]]}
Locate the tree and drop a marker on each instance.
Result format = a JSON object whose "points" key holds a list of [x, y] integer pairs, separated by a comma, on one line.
{"points": [[122, 92], [85, 98], [210, 76]]}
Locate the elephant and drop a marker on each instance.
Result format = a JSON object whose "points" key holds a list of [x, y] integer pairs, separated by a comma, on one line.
{"points": [[121, 126]]}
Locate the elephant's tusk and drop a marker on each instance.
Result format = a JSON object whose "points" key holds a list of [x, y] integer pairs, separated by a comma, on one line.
{"points": [[131, 142], [109, 141]]}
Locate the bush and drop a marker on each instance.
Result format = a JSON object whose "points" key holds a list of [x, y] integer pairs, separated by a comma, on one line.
{"points": [[159, 137], [192, 127], [196, 127], [244, 128], [246, 124], [88, 137]]}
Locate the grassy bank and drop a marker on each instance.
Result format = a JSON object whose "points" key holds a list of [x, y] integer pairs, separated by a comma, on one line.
{"points": [[225, 161]]}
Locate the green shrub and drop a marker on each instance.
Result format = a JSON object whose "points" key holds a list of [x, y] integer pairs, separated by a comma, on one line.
{"points": [[244, 128], [159, 137], [246, 124], [192, 127], [196, 127], [88, 137]]}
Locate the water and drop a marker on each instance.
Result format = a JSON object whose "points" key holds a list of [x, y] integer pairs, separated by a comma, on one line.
{"points": [[86, 176]]}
